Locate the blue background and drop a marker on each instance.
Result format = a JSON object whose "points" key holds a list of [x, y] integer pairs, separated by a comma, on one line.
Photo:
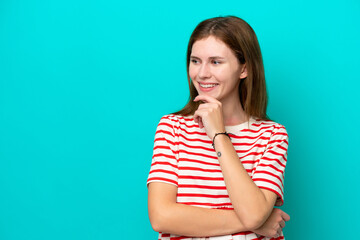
{"points": [[83, 85]]}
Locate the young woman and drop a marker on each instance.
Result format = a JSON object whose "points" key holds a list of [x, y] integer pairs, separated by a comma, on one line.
{"points": [[218, 164]]}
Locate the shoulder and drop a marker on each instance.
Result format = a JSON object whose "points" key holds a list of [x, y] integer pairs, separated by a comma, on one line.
{"points": [[176, 120], [276, 129]]}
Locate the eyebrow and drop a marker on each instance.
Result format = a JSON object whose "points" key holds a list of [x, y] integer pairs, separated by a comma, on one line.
{"points": [[213, 57]]}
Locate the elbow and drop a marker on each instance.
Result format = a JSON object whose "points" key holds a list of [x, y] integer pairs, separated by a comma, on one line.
{"points": [[158, 219], [253, 224], [252, 220], [156, 226]]}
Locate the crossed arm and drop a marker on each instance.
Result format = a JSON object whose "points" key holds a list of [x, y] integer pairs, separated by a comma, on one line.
{"points": [[170, 217], [253, 207]]}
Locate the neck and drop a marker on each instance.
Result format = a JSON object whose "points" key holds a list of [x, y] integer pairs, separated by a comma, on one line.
{"points": [[233, 112]]}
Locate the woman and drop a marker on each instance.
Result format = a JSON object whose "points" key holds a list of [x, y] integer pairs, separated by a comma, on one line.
{"points": [[218, 164]]}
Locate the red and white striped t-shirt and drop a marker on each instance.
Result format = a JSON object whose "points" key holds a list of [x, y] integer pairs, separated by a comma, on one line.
{"points": [[183, 156]]}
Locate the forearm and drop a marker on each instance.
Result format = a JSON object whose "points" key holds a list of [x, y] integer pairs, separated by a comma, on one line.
{"points": [[248, 200], [185, 220]]}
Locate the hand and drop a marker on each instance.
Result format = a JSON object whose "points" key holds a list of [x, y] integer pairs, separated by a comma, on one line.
{"points": [[209, 115], [274, 224]]}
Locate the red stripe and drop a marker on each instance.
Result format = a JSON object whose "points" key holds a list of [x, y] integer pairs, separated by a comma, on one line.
{"points": [[206, 204], [231, 135], [162, 179], [164, 132], [198, 161], [213, 151], [164, 171], [269, 173], [201, 178], [274, 159], [249, 137], [157, 139], [278, 141], [264, 122], [165, 124], [242, 233], [197, 147], [202, 186], [199, 169], [252, 143], [271, 166], [215, 157], [249, 161], [183, 129], [268, 181], [164, 147], [255, 145], [163, 163], [202, 195], [164, 155], [252, 154], [281, 147], [262, 128], [278, 154], [195, 140], [179, 238], [198, 154], [280, 133]]}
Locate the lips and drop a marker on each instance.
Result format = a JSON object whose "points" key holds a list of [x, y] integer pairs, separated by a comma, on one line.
{"points": [[206, 87]]}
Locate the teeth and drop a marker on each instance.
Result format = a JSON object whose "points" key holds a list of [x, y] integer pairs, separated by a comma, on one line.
{"points": [[208, 85]]}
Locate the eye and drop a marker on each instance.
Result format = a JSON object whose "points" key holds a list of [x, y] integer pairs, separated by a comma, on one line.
{"points": [[194, 61], [216, 62]]}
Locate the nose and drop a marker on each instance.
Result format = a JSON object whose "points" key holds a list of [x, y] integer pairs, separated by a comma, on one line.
{"points": [[204, 71]]}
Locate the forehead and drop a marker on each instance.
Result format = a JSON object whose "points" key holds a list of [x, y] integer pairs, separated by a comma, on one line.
{"points": [[211, 46]]}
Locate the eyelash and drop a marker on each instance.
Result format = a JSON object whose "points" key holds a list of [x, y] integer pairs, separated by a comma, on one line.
{"points": [[214, 61]]}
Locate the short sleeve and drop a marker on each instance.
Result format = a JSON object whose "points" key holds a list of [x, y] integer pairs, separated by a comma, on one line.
{"points": [[269, 173], [164, 166]]}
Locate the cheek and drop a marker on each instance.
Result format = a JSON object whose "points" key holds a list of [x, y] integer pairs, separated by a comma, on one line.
{"points": [[192, 72], [221, 74]]}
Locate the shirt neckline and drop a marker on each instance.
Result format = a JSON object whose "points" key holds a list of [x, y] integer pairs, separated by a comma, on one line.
{"points": [[239, 127]]}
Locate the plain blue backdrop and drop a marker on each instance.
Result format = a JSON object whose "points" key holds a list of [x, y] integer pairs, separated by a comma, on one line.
{"points": [[83, 85]]}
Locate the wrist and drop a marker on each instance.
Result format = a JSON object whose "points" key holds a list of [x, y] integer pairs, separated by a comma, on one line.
{"points": [[218, 137]]}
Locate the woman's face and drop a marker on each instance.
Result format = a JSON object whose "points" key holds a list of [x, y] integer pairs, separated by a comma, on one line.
{"points": [[215, 70]]}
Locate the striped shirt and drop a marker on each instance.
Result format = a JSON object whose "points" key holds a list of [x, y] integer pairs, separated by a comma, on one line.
{"points": [[183, 156]]}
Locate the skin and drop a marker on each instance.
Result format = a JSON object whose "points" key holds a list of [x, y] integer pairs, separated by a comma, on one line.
{"points": [[213, 62]]}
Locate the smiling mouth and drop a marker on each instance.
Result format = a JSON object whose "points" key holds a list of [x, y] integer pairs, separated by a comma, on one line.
{"points": [[208, 85]]}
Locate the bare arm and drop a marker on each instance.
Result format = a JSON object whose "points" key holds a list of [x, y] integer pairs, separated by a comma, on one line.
{"points": [[251, 204], [170, 217]]}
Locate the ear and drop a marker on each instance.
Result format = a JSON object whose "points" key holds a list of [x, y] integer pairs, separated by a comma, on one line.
{"points": [[243, 73]]}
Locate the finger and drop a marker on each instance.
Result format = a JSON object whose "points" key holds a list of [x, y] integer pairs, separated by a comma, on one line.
{"points": [[198, 114], [207, 105], [285, 216], [279, 231], [206, 98], [282, 224], [199, 122], [201, 125]]}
